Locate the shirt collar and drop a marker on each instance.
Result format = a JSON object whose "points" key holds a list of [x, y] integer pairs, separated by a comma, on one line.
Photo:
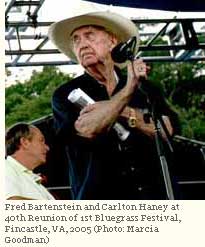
{"points": [[23, 169]]}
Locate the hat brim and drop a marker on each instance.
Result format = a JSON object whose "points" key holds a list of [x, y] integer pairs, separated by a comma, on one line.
{"points": [[60, 32]]}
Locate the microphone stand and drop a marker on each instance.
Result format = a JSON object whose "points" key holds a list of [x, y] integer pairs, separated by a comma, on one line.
{"points": [[120, 54], [159, 125]]}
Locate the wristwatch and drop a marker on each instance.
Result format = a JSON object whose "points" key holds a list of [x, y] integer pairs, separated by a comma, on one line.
{"points": [[132, 120]]}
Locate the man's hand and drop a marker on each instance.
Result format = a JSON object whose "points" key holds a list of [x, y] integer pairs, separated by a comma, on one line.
{"points": [[146, 128], [96, 118], [136, 69]]}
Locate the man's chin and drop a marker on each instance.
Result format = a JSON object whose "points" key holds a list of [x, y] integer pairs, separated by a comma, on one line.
{"points": [[88, 62], [43, 161]]}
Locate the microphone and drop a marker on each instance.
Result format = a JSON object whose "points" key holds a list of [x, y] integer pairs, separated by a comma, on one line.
{"points": [[124, 51]]}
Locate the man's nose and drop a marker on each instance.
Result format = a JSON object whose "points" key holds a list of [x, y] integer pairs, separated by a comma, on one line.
{"points": [[47, 147], [83, 43]]}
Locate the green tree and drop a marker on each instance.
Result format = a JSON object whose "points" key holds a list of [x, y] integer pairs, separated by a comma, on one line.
{"points": [[185, 92], [31, 100]]}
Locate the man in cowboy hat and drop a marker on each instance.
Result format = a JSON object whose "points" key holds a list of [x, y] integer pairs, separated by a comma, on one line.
{"points": [[101, 165]]}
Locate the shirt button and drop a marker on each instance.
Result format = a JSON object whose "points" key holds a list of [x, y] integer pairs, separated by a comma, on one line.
{"points": [[139, 188]]}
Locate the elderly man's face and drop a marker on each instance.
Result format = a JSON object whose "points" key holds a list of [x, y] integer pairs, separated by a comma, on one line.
{"points": [[92, 45]]}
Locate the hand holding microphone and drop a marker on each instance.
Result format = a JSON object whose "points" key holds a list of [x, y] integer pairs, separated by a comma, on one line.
{"points": [[137, 69], [126, 51]]}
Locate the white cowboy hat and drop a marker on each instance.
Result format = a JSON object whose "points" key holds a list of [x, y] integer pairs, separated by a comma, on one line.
{"points": [[60, 32]]}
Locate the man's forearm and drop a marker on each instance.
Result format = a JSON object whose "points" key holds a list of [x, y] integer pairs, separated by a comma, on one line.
{"points": [[121, 100]]}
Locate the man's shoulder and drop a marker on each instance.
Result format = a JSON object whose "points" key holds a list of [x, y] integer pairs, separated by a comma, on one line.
{"points": [[10, 168], [82, 81], [72, 84]]}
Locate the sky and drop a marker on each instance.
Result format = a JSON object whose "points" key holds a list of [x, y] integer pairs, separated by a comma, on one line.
{"points": [[81, 7], [55, 10]]}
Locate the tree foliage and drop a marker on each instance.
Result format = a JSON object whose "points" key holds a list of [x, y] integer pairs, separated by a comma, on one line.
{"points": [[184, 88], [31, 100]]}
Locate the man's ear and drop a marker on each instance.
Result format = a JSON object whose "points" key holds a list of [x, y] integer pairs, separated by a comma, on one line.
{"points": [[113, 41], [24, 142]]}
